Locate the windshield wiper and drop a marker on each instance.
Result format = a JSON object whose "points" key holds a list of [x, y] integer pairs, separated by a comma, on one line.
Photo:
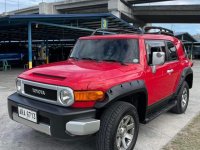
{"points": [[112, 60], [87, 58], [76, 58]]}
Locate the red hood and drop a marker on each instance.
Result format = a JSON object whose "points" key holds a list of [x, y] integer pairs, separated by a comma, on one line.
{"points": [[78, 74]]}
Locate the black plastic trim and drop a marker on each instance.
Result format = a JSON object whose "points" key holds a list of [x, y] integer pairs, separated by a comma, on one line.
{"points": [[159, 107], [122, 90], [160, 110], [159, 104], [187, 71]]}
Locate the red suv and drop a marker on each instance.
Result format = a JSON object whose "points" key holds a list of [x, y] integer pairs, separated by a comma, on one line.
{"points": [[108, 85]]}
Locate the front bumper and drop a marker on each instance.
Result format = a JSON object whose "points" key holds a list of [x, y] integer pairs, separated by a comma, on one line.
{"points": [[57, 121]]}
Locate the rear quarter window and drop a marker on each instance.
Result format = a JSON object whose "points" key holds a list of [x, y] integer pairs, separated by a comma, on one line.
{"points": [[172, 51]]}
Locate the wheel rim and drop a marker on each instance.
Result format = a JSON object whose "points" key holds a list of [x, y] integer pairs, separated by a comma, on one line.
{"points": [[184, 98], [125, 132]]}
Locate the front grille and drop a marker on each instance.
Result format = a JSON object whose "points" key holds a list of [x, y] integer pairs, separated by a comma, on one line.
{"points": [[43, 92], [39, 92]]}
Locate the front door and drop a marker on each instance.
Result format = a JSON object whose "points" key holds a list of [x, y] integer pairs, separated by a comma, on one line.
{"points": [[158, 83]]}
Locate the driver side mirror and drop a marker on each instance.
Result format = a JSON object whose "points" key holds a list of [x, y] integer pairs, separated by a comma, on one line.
{"points": [[158, 58]]}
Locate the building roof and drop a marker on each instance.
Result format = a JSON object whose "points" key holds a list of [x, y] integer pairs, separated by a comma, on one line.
{"points": [[185, 37], [45, 27]]}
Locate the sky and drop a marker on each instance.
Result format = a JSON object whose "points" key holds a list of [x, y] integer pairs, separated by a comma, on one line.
{"points": [[191, 28]]}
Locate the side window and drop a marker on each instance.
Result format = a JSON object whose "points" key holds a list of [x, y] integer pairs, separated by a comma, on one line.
{"points": [[154, 46], [172, 52]]}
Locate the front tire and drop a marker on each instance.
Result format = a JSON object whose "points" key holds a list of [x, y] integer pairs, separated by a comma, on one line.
{"points": [[182, 99], [119, 127]]}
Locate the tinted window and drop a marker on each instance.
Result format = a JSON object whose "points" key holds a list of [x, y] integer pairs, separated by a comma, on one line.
{"points": [[123, 50], [154, 46], [172, 54]]}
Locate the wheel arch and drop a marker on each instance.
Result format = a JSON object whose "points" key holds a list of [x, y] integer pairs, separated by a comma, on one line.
{"points": [[189, 80], [132, 92], [186, 75]]}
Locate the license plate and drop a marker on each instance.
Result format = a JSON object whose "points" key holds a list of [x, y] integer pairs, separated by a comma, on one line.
{"points": [[27, 114]]}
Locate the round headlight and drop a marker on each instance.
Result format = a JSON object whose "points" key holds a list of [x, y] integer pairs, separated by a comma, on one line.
{"points": [[18, 85], [66, 97]]}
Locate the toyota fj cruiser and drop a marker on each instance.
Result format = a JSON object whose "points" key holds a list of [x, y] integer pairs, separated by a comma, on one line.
{"points": [[108, 85]]}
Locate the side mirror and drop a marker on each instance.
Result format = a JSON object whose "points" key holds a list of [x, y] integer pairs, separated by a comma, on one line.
{"points": [[158, 59]]}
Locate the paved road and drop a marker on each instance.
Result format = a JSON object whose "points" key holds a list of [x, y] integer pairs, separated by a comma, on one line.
{"points": [[152, 136]]}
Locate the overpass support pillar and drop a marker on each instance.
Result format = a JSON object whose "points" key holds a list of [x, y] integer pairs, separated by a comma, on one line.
{"points": [[47, 8], [116, 7], [120, 9]]}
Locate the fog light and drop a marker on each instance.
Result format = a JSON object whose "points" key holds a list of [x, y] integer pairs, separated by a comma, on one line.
{"points": [[66, 97]]}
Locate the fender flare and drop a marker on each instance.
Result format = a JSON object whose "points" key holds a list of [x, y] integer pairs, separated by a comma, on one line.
{"points": [[123, 90], [187, 71]]}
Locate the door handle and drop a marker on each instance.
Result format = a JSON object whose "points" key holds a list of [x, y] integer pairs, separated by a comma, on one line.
{"points": [[170, 71]]}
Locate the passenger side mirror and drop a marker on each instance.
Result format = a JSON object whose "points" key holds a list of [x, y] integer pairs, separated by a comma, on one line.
{"points": [[158, 58]]}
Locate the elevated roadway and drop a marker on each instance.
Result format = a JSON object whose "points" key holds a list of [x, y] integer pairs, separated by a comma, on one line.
{"points": [[167, 14], [124, 9], [145, 1]]}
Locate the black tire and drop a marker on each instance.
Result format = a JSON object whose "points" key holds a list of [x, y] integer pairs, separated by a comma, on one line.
{"points": [[180, 108], [111, 119]]}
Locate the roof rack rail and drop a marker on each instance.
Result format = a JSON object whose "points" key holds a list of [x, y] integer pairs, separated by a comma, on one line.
{"points": [[116, 31], [162, 30]]}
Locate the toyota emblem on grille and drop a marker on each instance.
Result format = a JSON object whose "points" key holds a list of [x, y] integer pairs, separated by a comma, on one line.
{"points": [[40, 92]]}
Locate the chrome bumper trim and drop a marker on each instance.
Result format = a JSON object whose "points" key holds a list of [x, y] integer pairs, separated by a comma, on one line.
{"points": [[83, 127], [39, 127]]}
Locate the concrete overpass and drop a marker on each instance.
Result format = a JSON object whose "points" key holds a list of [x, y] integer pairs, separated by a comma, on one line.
{"points": [[144, 1], [120, 8], [115, 7], [167, 14], [124, 9]]}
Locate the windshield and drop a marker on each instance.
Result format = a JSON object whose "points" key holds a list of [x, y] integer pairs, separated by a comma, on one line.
{"points": [[121, 50]]}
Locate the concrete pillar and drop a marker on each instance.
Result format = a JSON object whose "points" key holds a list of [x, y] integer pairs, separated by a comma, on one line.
{"points": [[116, 13], [117, 8], [123, 11], [47, 8], [113, 7]]}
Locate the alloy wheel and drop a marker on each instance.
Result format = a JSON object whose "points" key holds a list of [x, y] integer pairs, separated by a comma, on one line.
{"points": [[125, 132]]}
